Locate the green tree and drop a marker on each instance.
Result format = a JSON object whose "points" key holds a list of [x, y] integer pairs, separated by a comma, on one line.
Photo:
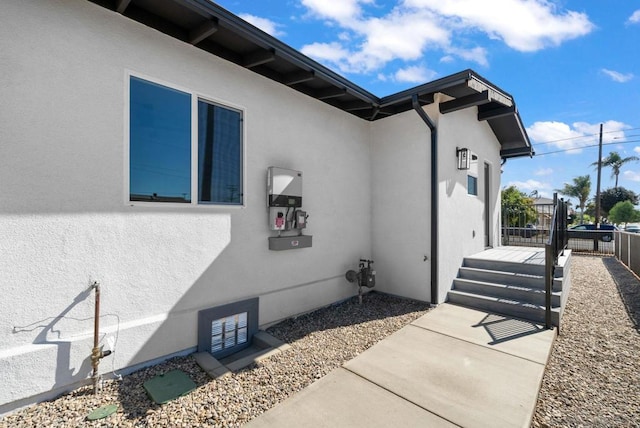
{"points": [[580, 190], [517, 207], [612, 196], [616, 162], [624, 212]]}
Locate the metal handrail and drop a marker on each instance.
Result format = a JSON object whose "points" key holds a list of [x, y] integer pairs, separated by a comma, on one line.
{"points": [[554, 246]]}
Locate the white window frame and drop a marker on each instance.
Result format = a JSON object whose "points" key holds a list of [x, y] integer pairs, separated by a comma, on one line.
{"points": [[195, 96]]}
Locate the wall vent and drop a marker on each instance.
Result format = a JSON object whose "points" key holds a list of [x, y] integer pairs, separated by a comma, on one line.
{"points": [[227, 329]]}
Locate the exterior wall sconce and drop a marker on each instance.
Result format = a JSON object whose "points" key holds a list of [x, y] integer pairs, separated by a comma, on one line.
{"points": [[464, 158]]}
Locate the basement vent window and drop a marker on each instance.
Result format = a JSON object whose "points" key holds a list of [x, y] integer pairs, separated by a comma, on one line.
{"points": [[227, 329], [228, 332]]}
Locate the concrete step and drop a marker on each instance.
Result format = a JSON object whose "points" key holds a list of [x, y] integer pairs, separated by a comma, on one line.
{"points": [[500, 277], [534, 295], [511, 267], [513, 308]]}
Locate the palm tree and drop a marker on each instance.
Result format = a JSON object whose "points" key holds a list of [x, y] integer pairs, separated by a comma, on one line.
{"points": [[580, 189], [614, 161]]}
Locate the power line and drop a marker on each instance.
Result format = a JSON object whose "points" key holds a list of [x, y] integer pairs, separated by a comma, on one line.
{"points": [[585, 147], [583, 136]]}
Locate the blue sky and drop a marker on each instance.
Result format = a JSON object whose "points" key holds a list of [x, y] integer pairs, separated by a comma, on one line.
{"points": [[570, 65]]}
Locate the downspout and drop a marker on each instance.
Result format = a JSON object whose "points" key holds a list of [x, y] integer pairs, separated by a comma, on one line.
{"points": [[434, 196]]}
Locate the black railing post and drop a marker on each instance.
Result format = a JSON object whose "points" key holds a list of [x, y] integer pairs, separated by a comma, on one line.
{"points": [[548, 283]]}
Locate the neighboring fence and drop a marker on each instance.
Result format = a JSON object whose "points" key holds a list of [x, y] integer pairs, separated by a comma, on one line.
{"points": [[598, 242], [627, 249]]}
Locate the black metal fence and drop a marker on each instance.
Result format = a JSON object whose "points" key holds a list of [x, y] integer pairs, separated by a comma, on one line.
{"points": [[529, 226]]}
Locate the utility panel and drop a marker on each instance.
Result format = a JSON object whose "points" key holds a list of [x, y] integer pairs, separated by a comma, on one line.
{"points": [[284, 200], [284, 187]]}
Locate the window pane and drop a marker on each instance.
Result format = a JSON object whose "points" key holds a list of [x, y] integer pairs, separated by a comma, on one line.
{"points": [[472, 185], [219, 154], [160, 143]]}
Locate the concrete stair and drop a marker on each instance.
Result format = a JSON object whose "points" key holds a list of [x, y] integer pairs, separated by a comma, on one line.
{"points": [[510, 288]]}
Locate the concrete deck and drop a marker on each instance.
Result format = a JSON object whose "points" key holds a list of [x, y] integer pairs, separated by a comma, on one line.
{"points": [[454, 366], [513, 254]]}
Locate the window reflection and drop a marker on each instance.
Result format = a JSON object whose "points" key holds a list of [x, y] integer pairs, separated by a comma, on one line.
{"points": [[160, 143], [160, 147], [219, 154]]}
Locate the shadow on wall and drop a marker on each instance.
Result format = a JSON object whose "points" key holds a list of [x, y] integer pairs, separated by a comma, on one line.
{"points": [[628, 286], [49, 331]]}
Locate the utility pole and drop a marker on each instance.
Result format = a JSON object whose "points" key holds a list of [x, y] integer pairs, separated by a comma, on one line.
{"points": [[597, 219]]}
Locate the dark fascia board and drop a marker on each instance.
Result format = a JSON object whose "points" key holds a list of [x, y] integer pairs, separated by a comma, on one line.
{"points": [[527, 143], [209, 9], [428, 88]]}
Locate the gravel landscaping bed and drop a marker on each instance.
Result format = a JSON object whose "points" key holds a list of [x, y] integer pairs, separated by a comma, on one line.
{"points": [[593, 376], [321, 341], [592, 380]]}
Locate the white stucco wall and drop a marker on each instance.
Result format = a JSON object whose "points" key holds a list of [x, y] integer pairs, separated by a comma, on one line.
{"points": [[400, 165], [401, 201], [462, 218], [64, 221]]}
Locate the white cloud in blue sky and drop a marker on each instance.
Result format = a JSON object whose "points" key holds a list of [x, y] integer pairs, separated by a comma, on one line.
{"points": [[264, 24], [631, 175], [634, 18], [544, 189], [566, 62], [553, 135], [412, 27], [543, 171], [414, 74], [617, 76]]}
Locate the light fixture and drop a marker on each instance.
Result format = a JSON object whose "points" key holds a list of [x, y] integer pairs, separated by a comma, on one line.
{"points": [[464, 158]]}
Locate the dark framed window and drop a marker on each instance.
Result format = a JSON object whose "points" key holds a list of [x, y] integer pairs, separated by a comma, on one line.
{"points": [[161, 143], [472, 185]]}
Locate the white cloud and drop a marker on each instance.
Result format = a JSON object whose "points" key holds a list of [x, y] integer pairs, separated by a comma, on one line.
{"points": [[617, 76], [572, 138], [637, 149], [634, 18], [631, 176], [414, 74], [543, 171], [264, 24], [331, 52], [529, 185], [477, 55], [343, 11], [369, 43], [524, 25]]}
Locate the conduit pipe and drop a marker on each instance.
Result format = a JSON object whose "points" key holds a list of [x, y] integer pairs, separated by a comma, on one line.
{"points": [[96, 353], [434, 196]]}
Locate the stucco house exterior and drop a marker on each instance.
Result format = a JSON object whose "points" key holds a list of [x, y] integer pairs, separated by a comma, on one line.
{"points": [[136, 137]]}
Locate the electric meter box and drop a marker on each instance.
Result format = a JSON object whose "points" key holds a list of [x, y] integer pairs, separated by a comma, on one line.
{"points": [[284, 187]]}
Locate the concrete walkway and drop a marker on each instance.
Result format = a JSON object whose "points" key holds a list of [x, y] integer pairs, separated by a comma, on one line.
{"points": [[453, 367]]}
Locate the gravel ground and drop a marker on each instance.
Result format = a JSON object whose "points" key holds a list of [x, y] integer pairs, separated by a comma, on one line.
{"points": [[593, 376], [592, 380], [321, 341]]}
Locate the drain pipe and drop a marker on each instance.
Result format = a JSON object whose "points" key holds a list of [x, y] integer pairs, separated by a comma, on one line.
{"points": [[96, 353], [434, 196]]}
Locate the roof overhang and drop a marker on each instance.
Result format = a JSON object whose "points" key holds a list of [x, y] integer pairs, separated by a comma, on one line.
{"points": [[214, 29]]}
